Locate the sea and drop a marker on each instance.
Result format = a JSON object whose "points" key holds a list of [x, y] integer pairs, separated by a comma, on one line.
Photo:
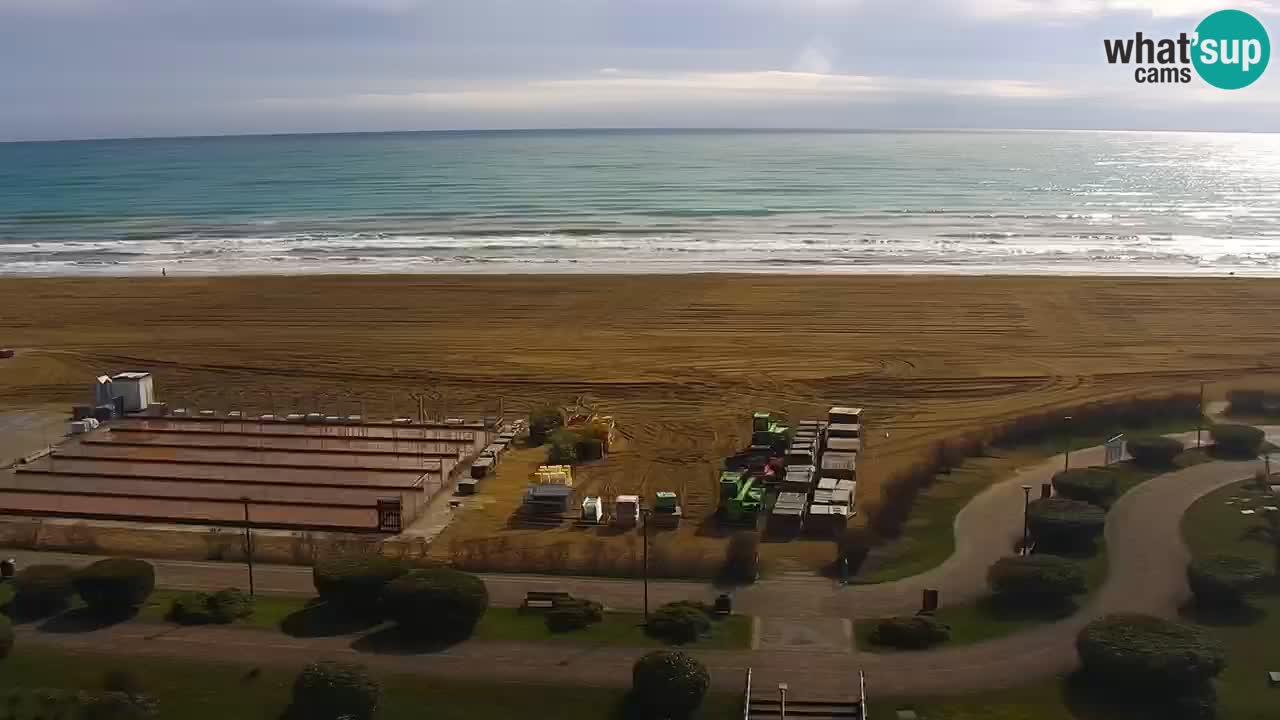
{"points": [[645, 201]]}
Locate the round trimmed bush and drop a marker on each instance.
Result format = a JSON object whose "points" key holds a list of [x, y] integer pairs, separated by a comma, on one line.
{"points": [[1059, 523], [41, 590], [1153, 451], [6, 637], [542, 422], [1237, 440], [564, 447], [440, 604], [669, 684], [1038, 579], [1091, 485], [679, 622], [354, 583], [1128, 651], [1222, 580], [332, 691], [115, 586], [574, 614], [911, 633]]}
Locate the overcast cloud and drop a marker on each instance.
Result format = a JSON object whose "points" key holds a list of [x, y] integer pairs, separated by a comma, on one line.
{"points": [[112, 68]]}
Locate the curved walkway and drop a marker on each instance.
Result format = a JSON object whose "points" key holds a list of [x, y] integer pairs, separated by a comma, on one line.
{"points": [[1146, 554]]}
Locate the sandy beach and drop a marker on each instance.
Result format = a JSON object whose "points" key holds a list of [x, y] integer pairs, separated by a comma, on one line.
{"points": [[680, 361]]}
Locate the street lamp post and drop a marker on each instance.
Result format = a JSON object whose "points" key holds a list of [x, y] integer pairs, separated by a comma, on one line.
{"points": [[1066, 455], [248, 543], [644, 529], [1026, 505], [1200, 417], [782, 700]]}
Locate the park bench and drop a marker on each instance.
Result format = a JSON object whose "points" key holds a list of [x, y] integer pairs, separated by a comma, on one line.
{"points": [[544, 599]]}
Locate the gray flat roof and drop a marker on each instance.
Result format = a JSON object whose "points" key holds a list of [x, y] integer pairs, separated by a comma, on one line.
{"points": [[844, 444], [839, 461]]}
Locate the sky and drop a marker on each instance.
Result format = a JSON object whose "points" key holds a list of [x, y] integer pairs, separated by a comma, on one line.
{"points": [[139, 68]]}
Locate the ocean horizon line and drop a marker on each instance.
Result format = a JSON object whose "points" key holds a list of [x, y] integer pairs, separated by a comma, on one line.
{"points": [[622, 130]]}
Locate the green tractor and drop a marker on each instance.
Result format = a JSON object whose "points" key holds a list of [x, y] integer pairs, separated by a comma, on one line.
{"points": [[740, 496], [766, 433]]}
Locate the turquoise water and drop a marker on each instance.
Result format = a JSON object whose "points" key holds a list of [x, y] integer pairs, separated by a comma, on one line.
{"points": [[645, 201]]}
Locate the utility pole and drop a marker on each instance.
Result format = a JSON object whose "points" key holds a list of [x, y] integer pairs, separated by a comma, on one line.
{"points": [[248, 543], [1026, 508], [1066, 455], [1200, 417], [644, 518]]}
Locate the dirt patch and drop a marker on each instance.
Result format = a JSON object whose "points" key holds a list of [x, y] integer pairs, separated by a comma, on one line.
{"points": [[679, 361]]}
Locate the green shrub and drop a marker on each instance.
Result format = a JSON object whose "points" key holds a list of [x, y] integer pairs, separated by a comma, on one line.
{"points": [[573, 614], [1059, 523], [679, 622], [564, 448], [1222, 580], [742, 557], [669, 684], [440, 604], [1136, 652], [6, 637], [1153, 451], [1037, 579], [115, 586], [354, 583], [910, 633], [1092, 485], [198, 608], [41, 590], [542, 422], [1241, 441], [334, 691]]}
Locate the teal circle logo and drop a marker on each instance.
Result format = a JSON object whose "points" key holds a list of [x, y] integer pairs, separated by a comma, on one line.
{"points": [[1232, 49]]}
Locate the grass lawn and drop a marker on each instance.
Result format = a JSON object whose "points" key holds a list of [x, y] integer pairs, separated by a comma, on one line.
{"points": [[190, 690], [269, 611], [1210, 527], [305, 616], [928, 537], [617, 628], [1213, 527], [987, 619]]}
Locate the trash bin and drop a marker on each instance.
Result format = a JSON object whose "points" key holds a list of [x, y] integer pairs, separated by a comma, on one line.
{"points": [[8, 568], [724, 604]]}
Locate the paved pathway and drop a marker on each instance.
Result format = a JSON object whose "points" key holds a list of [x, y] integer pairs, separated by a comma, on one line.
{"points": [[1146, 575], [985, 531]]}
